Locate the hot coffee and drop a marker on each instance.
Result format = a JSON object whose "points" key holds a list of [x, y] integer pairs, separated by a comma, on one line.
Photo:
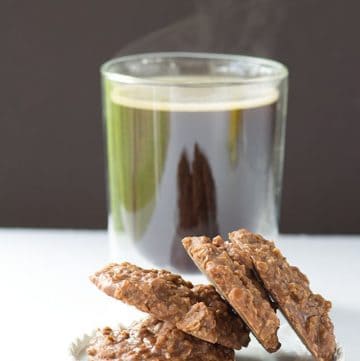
{"points": [[190, 161]]}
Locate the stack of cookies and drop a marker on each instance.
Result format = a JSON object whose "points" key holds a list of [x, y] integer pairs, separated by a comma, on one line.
{"points": [[250, 279]]}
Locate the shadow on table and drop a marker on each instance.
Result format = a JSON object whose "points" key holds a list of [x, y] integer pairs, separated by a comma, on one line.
{"points": [[346, 321]]}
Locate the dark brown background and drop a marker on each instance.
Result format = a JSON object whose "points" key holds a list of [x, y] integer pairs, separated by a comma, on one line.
{"points": [[51, 152]]}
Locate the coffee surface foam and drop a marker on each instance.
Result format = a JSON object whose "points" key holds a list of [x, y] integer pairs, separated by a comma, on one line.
{"points": [[200, 93]]}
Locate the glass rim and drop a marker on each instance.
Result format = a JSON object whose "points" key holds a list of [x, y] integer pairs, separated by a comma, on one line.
{"points": [[280, 71]]}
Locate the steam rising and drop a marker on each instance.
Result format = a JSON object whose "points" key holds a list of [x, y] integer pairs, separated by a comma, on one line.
{"points": [[222, 26]]}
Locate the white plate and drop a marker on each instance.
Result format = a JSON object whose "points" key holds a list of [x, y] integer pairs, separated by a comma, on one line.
{"points": [[291, 350]]}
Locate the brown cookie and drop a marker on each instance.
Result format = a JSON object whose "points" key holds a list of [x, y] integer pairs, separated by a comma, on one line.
{"points": [[198, 311], [230, 329], [238, 285], [308, 313], [153, 340]]}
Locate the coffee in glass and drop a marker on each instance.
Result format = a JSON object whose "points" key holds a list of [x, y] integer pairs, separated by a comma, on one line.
{"points": [[195, 147]]}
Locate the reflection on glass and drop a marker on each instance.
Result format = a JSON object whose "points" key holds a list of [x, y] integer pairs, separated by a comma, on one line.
{"points": [[196, 198], [137, 143], [235, 125]]}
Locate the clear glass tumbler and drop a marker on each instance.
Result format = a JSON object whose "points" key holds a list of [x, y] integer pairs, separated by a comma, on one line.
{"points": [[195, 146]]}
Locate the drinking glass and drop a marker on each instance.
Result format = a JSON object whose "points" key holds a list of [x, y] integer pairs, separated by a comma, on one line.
{"points": [[195, 146]]}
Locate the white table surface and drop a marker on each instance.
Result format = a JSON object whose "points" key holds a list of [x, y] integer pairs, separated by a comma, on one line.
{"points": [[46, 299]]}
